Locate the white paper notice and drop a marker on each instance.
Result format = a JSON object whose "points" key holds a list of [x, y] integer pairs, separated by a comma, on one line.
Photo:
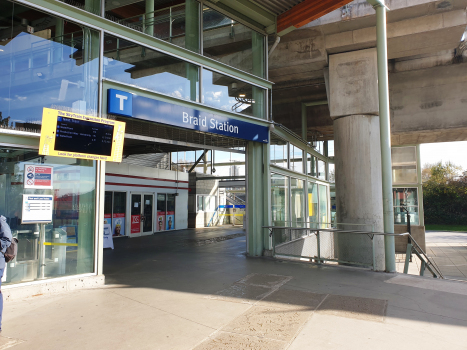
{"points": [[37, 208], [108, 241]]}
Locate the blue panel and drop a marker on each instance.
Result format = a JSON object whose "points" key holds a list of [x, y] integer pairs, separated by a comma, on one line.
{"points": [[189, 118], [119, 103], [240, 206]]}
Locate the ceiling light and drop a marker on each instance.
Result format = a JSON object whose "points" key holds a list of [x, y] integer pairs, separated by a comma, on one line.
{"points": [[242, 95]]}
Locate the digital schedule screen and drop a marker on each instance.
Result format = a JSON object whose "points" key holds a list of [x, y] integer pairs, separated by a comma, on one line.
{"points": [[81, 136]]}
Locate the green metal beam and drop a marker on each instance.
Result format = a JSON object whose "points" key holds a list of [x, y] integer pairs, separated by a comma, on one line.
{"points": [[97, 22]]}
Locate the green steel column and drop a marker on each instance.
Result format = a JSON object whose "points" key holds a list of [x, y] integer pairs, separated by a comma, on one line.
{"points": [[86, 210], [385, 134], [149, 17], [192, 43], [59, 31], [267, 194], [93, 6], [258, 96], [256, 198], [421, 210]]}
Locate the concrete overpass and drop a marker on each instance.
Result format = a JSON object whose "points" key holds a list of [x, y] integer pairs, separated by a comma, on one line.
{"points": [[427, 68]]}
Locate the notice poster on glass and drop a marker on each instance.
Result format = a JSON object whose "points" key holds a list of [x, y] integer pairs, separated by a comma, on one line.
{"points": [[135, 224], [160, 221], [107, 219], [170, 219], [118, 225], [108, 242]]}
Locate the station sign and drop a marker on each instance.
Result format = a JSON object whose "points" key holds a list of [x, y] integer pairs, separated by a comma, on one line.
{"points": [[38, 176], [139, 107], [73, 135]]}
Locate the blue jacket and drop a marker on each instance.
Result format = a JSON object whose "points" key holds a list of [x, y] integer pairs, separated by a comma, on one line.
{"points": [[5, 239]]}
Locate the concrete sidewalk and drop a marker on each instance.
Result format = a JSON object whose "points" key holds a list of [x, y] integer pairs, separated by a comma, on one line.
{"points": [[172, 292]]}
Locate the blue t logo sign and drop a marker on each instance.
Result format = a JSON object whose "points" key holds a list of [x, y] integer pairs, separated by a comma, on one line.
{"points": [[119, 103]]}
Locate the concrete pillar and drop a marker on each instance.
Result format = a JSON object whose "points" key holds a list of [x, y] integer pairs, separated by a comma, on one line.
{"points": [[354, 107], [358, 187]]}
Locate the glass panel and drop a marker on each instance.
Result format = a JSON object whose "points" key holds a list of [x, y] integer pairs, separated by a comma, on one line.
{"points": [[313, 204], [135, 213], [278, 155], [297, 191], [405, 199], [170, 212], [332, 173], [129, 63], [323, 206], [404, 165], [209, 203], [161, 212], [108, 208], [279, 199], [55, 67], [232, 95], [66, 245], [161, 19], [296, 156], [147, 212], [119, 214], [321, 170], [312, 166], [279, 205], [331, 148], [232, 43]]}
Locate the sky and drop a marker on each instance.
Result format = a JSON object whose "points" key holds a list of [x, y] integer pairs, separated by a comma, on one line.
{"points": [[456, 152]]}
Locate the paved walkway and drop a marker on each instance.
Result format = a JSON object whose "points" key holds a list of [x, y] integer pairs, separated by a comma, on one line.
{"points": [[193, 290], [447, 249]]}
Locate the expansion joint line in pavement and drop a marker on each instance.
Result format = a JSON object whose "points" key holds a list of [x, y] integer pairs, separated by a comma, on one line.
{"points": [[156, 308]]}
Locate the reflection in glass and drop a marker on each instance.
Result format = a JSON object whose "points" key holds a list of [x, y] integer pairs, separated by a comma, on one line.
{"points": [[279, 204], [312, 166], [233, 43], [405, 199], [55, 67], [69, 238], [313, 216], [321, 170], [162, 19], [135, 65], [232, 95], [404, 165], [296, 159], [297, 191], [278, 155], [323, 206]]}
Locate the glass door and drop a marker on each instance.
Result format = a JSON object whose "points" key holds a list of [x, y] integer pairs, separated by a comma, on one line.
{"points": [[170, 225], [135, 223], [161, 212], [147, 218]]}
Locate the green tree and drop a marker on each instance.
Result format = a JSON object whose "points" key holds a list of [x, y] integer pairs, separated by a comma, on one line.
{"points": [[444, 194]]}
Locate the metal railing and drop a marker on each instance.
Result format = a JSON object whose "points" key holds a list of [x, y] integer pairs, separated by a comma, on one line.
{"points": [[330, 245]]}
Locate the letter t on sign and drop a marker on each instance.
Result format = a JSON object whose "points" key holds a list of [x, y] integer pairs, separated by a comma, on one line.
{"points": [[121, 98], [119, 103]]}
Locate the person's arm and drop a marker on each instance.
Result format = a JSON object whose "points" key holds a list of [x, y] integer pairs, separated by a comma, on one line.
{"points": [[5, 235]]}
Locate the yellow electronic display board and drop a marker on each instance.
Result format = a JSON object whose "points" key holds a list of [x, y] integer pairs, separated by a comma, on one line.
{"points": [[73, 135]]}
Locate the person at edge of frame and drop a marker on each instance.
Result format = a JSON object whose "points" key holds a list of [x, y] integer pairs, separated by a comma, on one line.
{"points": [[5, 241]]}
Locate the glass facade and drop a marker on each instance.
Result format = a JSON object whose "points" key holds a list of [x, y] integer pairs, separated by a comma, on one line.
{"points": [[232, 95], [298, 205], [406, 200], [66, 245], [54, 66], [296, 158], [404, 165], [135, 65], [279, 199], [313, 210]]}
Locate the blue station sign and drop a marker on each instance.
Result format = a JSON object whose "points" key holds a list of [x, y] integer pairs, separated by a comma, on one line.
{"points": [[139, 107]]}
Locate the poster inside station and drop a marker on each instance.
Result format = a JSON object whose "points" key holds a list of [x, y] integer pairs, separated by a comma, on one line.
{"points": [[73, 135]]}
